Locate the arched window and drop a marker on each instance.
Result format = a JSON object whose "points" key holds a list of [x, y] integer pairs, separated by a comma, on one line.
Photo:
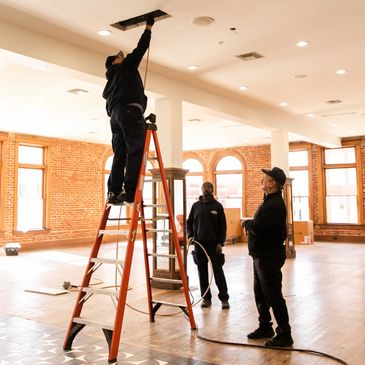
{"points": [[194, 181], [228, 182]]}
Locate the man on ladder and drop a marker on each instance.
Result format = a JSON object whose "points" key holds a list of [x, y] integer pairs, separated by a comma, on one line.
{"points": [[125, 105]]}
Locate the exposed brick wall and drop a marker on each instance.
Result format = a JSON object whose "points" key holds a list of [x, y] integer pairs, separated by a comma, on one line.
{"points": [[74, 196], [255, 158]]}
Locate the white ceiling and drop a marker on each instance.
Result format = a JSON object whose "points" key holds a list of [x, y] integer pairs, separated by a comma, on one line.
{"points": [[34, 97]]}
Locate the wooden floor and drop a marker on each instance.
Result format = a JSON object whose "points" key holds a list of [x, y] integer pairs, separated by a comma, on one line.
{"points": [[324, 288]]}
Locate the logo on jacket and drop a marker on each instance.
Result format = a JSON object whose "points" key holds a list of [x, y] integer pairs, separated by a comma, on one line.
{"points": [[214, 212]]}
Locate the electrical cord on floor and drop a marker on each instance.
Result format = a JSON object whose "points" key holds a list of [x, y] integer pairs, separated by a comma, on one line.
{"points": [[308, 351]]}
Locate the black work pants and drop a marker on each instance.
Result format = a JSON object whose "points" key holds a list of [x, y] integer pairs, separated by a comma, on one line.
{"points": [[128, 137], [218, 272], [267, 289]]}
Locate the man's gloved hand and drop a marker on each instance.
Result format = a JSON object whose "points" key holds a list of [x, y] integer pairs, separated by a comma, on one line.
{"points": [[219, 248], [191, 240], [150, 20]]}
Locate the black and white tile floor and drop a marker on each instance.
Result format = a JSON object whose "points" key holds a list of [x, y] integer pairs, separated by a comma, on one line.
{"points": [[26, 342]]}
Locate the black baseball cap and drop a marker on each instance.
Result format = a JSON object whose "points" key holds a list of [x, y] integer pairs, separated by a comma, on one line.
{"points": [[277, 174]]}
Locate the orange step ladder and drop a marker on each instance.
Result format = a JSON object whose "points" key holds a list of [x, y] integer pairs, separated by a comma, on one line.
{"points": [[112, 331]]}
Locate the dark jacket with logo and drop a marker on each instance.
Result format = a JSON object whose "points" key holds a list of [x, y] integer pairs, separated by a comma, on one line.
{"points": [[124, 85], [267, 230], [207, 221]]}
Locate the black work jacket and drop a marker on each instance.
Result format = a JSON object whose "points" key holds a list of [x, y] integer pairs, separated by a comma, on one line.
{"points": [[124, 85], [207, 222], [267, 230]]}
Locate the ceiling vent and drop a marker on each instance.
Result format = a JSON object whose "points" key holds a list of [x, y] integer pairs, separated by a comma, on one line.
{"points": [[77, 91], [335, 101], [250, 56], [337, 114], [139, 20]]}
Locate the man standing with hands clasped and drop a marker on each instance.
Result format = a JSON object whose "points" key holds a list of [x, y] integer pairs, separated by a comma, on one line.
{"points": [[267, 232], [125, 105], [207, 225]]}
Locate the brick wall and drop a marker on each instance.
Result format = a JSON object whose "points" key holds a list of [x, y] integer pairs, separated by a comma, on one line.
{"points": [[74, 196], [255, 158]]}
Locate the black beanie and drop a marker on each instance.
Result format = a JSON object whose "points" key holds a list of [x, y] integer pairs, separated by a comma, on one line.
{"points": [[109, 62]]}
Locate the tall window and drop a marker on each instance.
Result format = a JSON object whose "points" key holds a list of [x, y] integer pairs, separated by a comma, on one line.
{"points": [[298, 162], [31, 188], [228, 181], [341, 185], [194, 181]]}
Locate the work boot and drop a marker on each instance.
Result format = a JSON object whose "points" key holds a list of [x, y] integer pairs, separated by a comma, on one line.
{"points": [[225, 304], [206, 303], [261, 332], [124, 197], [282, 340], [113, 199]]}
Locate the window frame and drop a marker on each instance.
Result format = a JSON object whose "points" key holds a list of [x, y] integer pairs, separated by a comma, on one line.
{"points": [[43, 167], [357, 166]]}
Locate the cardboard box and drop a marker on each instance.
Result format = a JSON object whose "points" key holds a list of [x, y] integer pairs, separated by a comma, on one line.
{"points": [[303, 232]]}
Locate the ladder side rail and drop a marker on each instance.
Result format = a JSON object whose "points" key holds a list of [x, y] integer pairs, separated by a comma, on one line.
{"points": [[133, 224], [88, 273], [174, 232]]}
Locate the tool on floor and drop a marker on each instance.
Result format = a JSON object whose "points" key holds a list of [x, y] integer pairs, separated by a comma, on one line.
{"points": [[112, 331]]}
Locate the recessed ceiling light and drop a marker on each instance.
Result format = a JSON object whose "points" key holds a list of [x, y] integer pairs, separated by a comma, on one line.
{"points": [[310, 115], [203, 21], [104, 32], [283, 104], [301, 76], [334, 125], [40, 97], [192, 67], [303, 44], [351, 131], [341, 71], [243, 88]]}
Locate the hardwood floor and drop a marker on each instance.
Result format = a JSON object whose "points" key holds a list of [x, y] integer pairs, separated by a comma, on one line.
{"points": [[324, 288]]}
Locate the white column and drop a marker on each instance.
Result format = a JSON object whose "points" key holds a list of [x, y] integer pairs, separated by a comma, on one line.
{"points": [[169, 130], [280, 149]]}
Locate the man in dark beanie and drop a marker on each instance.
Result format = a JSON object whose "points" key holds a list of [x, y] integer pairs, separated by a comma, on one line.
{"points": [[267, 232], [207, 225], [125, 105]]}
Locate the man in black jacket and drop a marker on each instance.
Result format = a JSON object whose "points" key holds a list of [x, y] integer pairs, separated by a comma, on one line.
{"points": [[125, 105], [207, 225], [267, 232]]}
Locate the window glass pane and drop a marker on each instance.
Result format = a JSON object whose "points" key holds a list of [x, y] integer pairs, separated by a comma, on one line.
{"points": [[109, 162], [229, 190], [300, 188], [30, 200], [298, 158], [341, 181], [341, 199], [341, 209], [31, 155], [193, 165], [228, 163], [193, 190], [340, 155]]}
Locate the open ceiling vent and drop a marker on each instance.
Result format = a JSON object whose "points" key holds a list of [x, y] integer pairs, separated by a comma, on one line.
{"points": [[77, 91], [334, 101], [250, 56], [139, 20]]}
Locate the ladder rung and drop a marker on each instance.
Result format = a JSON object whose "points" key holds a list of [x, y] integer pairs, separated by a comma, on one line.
{"points": [[158, 218], [85, 321], [169, 303], [165, 280], [112, 293], [158, 230], [154, 205], [119, 219], [113, 232], [104, 260], [162, 255]]}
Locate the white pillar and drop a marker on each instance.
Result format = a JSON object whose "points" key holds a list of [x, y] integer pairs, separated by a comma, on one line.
{"points": [[169, 130], [280, 149]]}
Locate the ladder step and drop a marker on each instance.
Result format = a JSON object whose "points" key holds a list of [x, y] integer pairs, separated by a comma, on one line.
{"points": [[158, 230], [158, 218], [165, 280], [119, 219], [162, 255], [112, 293], [155, 205], [152, 158], [113, 232], [85, 321], [104, 260], [168, 303]]}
